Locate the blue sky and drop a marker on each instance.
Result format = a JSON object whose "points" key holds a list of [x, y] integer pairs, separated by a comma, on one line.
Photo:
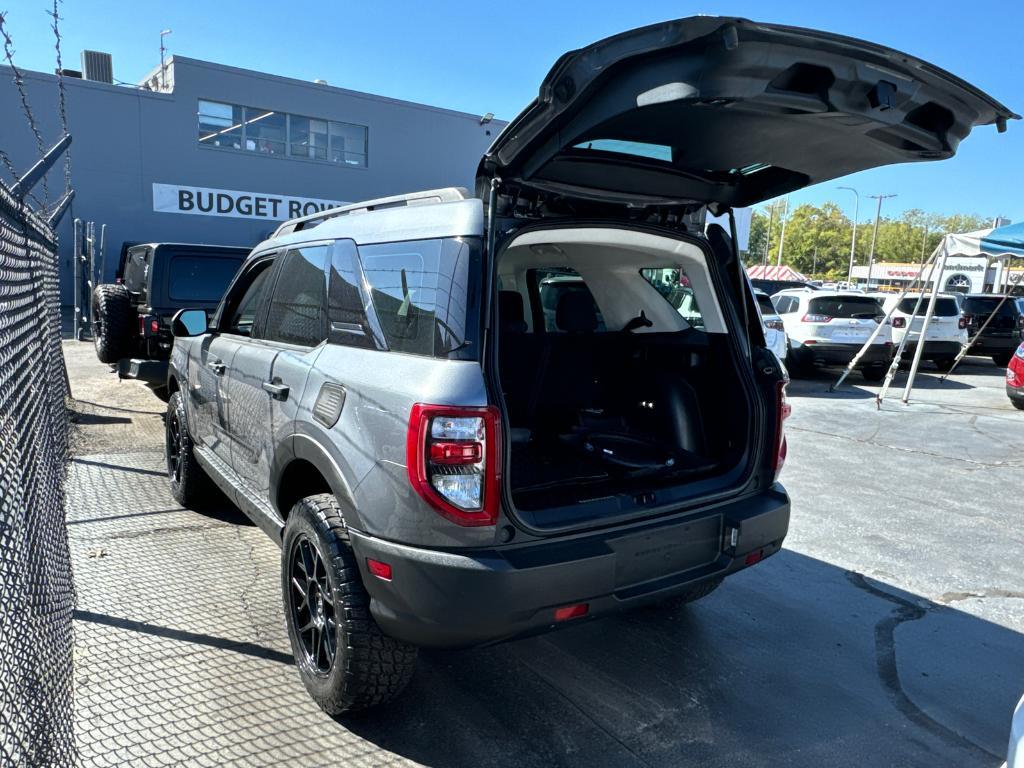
{"points": [[490, 57]]}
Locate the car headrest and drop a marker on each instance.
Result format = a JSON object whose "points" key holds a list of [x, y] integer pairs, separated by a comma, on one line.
{"points": [[510, 312], [576, 312]]}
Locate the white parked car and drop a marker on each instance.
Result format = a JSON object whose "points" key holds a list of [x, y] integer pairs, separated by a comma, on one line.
{"points": [[774, 330], [828, 328], [1015, 752], [947, 331]]}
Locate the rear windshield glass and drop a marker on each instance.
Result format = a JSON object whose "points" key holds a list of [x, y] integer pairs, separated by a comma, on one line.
{"points": [[638, 148], [553, 285], [986, 305], [845, 306], [200, 278], [421, 293], [943, 307], [674, 285], [765, 303]]}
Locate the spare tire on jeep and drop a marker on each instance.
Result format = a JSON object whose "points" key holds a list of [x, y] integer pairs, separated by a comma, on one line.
{"points": [[113, 321]]}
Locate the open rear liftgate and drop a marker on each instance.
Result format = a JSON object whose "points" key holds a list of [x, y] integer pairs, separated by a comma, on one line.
{"points": [[938, 255]]}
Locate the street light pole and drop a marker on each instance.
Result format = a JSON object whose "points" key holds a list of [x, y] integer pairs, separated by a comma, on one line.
{"points": [[853, 240], [874, 234], [782, 236]]}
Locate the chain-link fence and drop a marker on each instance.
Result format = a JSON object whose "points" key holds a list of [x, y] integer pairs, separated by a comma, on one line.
{"points": [[36, 589]]}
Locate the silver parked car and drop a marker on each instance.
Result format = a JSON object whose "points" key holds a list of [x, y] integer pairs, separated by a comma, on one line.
{"points": [[468, 419]]}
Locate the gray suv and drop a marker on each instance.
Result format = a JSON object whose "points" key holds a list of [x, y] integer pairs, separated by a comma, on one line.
{"points": [[468, 419]]}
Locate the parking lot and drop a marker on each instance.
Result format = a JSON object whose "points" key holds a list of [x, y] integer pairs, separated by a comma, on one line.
{"points": [[887, 632]]}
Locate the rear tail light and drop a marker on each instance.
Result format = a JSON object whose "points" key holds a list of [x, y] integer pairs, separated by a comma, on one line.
{"points": [[810, 317], [899, 322], [782, 411], [962, 323], [1020, 321], [148, 326], [454, 461]]}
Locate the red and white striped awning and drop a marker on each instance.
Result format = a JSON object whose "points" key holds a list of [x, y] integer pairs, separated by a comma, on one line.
{"points": [[774, 273]]}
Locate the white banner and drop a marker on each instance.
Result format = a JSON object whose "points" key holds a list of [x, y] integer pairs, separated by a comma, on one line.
{"points": [[204, 201]]}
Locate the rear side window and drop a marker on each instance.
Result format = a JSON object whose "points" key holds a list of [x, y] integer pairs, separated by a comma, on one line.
{"points": [[298, 309], [674, 285], [943, 307], [861, 307], [421, 294], [200, 278]]}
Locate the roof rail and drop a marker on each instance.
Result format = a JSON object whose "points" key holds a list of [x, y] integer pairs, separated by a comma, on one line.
{"points": [[444, 195]]}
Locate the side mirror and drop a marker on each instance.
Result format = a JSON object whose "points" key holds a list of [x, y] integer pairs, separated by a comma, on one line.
{"points": [[189, 322]]}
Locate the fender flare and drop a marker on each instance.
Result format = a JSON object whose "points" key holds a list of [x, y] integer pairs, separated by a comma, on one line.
{"points": [[304, 447]]}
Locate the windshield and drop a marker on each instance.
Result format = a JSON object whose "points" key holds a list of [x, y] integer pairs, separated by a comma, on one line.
{"points": [[944, 307], [200, 278], [861, 307]]}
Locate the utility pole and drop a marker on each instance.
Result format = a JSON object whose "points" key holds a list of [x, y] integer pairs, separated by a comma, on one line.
{"points": [[853, 239], [163, 77], [782, 237], [874, 234]]}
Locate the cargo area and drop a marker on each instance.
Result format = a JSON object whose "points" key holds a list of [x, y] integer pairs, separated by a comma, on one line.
{"points": [[620, 384]]}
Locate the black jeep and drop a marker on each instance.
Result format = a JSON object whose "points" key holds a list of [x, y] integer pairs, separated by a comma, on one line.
{"points": [[131, 317]]}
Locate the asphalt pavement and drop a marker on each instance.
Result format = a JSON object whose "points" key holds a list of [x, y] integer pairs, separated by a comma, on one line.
{"points": [[887, 632]]}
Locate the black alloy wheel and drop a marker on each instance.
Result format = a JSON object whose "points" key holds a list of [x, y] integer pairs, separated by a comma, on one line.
{"points": [[314, 614]]}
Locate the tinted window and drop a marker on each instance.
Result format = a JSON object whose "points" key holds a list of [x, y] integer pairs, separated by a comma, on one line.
{"points": [[349, 323], [200, 278], [986, 305], [943, 307], [420, 292], [674, 285], [765, 303], [244, 303], [862, 307], [298, 310]]}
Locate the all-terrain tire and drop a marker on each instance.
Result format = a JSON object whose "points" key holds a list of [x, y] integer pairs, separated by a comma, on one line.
{"points": [[874, 372], [1002, 359], [190, 485], [944, 363], [113, 322], [1018, 404], [366, 667]]}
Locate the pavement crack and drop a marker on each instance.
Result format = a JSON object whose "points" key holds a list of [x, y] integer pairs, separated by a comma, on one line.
{"points": [[888, 670], [931, 454], [989, 592], [247, 607]]}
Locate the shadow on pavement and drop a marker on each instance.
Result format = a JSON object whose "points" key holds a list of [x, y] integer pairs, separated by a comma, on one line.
{"points": [[795, 662]]}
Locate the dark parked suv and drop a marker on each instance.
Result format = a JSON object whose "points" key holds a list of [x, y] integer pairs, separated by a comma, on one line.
{"points": [[131, 317], [1004, 331], [469, 419]]}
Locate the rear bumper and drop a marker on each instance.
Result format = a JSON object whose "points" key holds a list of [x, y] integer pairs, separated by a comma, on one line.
{"points": [[933, 349], [840, 354], [987, 344], [1015, 393], [150, 371], [449, 599]]}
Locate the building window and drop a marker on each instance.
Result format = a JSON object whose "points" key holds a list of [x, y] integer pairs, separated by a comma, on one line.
{"points": [[230, 126], [264, 131], [308, 137], [220, 125]]}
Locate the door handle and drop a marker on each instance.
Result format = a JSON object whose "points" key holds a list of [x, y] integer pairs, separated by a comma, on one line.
{"points": [[217, 367], [277, 391]]}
